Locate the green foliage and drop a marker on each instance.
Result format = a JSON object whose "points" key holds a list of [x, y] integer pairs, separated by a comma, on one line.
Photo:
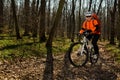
{"points": [[21, 48], [60, 45], [10, 49], [115, 51]]}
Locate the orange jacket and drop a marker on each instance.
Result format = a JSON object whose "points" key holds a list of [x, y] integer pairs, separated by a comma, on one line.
{"points": [[90, 25]]}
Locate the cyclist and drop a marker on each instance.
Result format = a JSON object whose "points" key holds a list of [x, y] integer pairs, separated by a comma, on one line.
{"points": [[92, 25]]}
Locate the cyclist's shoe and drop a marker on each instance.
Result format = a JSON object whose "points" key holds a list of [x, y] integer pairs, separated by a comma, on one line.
{"points": [[95, 56]]}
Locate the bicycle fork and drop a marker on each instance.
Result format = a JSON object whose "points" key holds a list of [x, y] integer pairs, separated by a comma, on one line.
{"points": [[81, 50]]}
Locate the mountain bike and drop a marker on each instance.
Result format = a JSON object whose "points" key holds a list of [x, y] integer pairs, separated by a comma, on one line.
{"points": [[82, 51]]}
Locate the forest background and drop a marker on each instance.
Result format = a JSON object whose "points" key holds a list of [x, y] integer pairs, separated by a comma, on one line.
{"points": [[44, 28]]}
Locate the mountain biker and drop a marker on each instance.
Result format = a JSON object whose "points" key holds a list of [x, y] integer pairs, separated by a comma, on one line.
{"points": [[92, 25]]}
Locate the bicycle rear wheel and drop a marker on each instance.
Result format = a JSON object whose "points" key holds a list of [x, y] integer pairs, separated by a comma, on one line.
{"points": [[77, 58], [93, 57]]}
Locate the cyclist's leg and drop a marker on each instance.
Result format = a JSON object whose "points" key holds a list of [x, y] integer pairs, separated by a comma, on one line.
{"points": [[94, 42], [89, 37]]}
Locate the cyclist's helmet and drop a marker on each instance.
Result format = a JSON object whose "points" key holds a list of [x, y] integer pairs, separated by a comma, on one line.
{"points": [[89, 13]]}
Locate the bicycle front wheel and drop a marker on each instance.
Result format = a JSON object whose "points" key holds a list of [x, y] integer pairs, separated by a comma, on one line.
{"points": [[76, 57]]}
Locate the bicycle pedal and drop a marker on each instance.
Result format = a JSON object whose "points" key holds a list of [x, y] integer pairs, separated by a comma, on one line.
{"points": [[95, 56]]}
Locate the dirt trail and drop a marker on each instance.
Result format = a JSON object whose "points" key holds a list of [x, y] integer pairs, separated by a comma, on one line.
{"points": [[105, 69], [32, 69]]}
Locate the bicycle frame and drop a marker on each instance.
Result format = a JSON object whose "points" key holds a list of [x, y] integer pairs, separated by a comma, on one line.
{"points": [[86, 43]]}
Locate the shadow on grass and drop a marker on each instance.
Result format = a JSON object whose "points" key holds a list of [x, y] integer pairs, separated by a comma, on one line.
{"points": [[23, 51], [15, 46]]}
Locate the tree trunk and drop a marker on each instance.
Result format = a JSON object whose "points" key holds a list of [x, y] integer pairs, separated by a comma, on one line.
{"points": [[67, 20], [73, 20], [1, 15], [34, 19], [15, 19], [119, 23], [48, 73], [42, 37], [69, 25], [27, 14], [108, 20], [79, 20], [48, 18], [112, 12], [99, 7], [90, 4], [37, 5]]}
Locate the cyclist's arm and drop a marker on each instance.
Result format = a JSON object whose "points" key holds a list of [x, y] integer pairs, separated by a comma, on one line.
{"points": [[83, 28]]}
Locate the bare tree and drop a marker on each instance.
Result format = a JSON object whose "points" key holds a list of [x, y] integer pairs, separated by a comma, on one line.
{"points": [[42, 37], [48, 73], [69, 24], [37, 7], [73, 20], [112, 13], [15, 19], [1, 15], [90, 4], [79, 20], [26, 17], [119, 23], [108, 19], [48, 17], [34, 18], [99, 6], [68, 20], [104, 28]]}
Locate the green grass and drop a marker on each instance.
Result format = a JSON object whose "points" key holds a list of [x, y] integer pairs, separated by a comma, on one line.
{"points": [[10, 49], [115, 51]]}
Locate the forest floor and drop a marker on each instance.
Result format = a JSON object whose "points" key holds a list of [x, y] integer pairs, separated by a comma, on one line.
{"points": [[33, 68]]}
